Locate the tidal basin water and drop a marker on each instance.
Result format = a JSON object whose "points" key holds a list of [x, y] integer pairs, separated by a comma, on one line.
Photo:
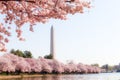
{"points": [[101, 76]]}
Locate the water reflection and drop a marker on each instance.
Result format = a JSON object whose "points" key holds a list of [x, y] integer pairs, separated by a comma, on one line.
{"points": [[108, 76], [44, 77], [49, 77]]}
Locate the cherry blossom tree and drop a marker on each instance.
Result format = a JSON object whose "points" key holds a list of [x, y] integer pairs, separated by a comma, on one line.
{"points": [[35, 64], [35, 11], [6, 65], [46, 68], [23, 65], [14, 63], [82, 68], [72, 67], [56, 66]]}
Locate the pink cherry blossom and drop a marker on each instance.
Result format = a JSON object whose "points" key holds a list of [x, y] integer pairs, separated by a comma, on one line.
{"points": [[12, 63], [35, 11]]}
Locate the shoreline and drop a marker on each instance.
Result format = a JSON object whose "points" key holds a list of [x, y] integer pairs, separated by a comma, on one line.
{"points": [[27, 75], [20, 76]]}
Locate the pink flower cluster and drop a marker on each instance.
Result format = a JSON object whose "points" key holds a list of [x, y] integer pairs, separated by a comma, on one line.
{"points": [[13, 63], [20, 12], [3, 39]]}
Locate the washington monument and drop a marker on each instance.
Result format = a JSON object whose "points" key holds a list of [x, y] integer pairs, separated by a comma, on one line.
{"points": [[52, 47]]}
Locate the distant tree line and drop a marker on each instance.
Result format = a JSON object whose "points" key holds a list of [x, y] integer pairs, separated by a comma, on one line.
{"points": [[27, 54], [49, 56], [11, 64], [108, 68], [24, 54], [113, 68], [97, 65]]}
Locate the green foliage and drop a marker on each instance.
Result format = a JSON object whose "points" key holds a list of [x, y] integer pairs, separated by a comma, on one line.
{"points": [[25, 54], [48, 56], [97, 65], [108, 68]]}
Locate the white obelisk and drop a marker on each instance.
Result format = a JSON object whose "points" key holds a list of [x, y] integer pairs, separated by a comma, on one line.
{"points": [[52, 52]]}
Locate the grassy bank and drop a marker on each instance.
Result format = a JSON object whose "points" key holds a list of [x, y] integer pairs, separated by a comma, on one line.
{"points": [[19, 76]]}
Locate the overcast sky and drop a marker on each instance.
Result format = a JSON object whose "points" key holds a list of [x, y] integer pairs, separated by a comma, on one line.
{"points": [[92, 37]]}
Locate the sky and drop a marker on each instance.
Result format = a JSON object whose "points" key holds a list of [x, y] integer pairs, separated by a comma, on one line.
{"points": [[92, 37]]}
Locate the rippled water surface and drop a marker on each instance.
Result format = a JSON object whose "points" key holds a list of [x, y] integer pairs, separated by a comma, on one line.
{"points": [[102, 76]]}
